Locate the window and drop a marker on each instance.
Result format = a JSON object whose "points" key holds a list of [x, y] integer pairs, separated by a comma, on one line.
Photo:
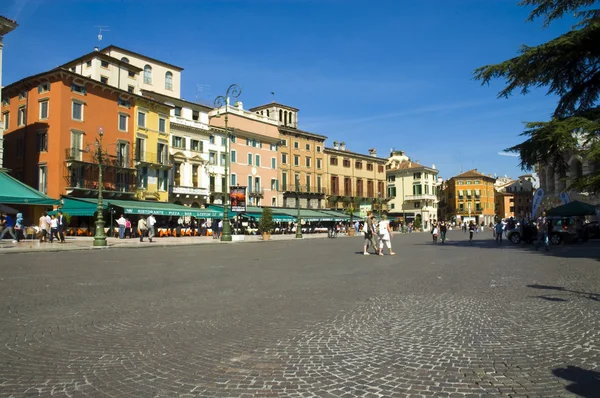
{"points": [[417, 176], [178, 142], [77, 111], [249, 159], [195, 114], [44, 88], [280, 115], [308, 147], [124, 103], [41, 142], [76, 88], [284, 158], [318, 163], [296, 144], [308, 161], [162, 125], [380, 168], [168, 81], [417, 205], [130, 89], [223, 159], [5, 101], [131, 74], [177, 111], [103, 79], [211, 139], [196, 146], [358, 165], [140, 148], [6, 118], [212, 157], [333, 161], [318, 183], [148, 74], [42, 178], [104, 64], [273, 163], [369, 166], [44, 109], [296, 160], [273, 147], [308, 177], [417, 189], [346, 162], [21, 116], [143, 177], [232, 138], [284, 180], [284, 142], [123, 121], [318, 148], [233, 179], [233, 156], [162, 153], [223, 141], [141, 119], [461, 206], [163, 178], [274, 184], [88, 63], [257, 163]]}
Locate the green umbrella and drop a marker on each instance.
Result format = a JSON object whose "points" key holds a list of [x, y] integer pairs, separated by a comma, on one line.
{"points": [[573, 209]]}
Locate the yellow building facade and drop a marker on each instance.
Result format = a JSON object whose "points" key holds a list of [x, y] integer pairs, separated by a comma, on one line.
{"points": [[470, 196], [151, 150]]}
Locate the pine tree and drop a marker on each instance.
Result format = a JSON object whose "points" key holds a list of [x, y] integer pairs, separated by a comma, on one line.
{"points": [[569, 66]]}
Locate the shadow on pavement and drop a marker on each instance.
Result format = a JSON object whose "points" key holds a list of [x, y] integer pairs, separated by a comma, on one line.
{"points": [[585, 383], [590, 249], [588, 295]]}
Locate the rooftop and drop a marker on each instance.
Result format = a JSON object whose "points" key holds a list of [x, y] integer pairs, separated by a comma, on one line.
{"points": [[272, 104], [6, 25], [343, 152], [106, 57], [176, 101], [113, 47], [292, 130]]}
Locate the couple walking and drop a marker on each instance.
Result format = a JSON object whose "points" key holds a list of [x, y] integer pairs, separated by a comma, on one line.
{"points": [[383, 232]]}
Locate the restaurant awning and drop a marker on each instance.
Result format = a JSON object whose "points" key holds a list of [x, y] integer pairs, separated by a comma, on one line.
{"points": [[276, 217], [14, 192], [163, 209], [79, 208]]}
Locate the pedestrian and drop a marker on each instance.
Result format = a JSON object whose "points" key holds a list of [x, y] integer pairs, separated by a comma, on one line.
{"points": [[142, 228], [193, 226], [385, 235], [122, 222], [150, 223], [443, 230], [9, 227], [434, 232], [369, 231], [498, 231], [128, 228], [61, 226], [43, 226], [471, 230], [220, 228], [53, 229], [543, 229]]}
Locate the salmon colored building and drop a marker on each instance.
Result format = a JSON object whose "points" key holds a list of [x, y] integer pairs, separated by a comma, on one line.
{"points": [[253, 152], [53, 121]]}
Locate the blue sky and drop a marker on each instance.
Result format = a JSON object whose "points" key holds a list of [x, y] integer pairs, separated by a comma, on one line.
{"points": [[385, 74]]}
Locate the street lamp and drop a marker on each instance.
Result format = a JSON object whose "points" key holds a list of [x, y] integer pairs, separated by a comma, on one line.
{"points": [[299, 225], [233, 91], [100, 237]]}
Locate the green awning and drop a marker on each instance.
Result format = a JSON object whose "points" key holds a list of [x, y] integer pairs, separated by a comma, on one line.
{"points": [[75, 207], [336, 215], [14, 192], [276, 217], [163, 209], [573, 209]]}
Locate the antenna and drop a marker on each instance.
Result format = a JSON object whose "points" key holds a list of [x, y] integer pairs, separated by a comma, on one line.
{"points": [[273, 94], [101, 28]]}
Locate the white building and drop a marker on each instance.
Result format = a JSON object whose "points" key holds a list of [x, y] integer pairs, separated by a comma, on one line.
{"points": [[197, 153], [128, 71], [6, 26], [412, 188]]}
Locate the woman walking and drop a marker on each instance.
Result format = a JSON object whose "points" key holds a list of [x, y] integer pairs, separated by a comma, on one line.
{"points": [[443, 230], [471, 230], [385, 235]]}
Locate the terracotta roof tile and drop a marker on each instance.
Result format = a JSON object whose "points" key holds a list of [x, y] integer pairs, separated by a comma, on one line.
{"points": [[406, 165], [471, 173], [8, 19]]}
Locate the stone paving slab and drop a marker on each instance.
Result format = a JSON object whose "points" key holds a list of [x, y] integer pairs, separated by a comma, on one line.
{"points": [[308, 318]]}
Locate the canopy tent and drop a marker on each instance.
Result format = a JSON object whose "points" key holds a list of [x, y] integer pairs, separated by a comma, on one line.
{"points": [[573, 209], [337, 216], [276, 217], [78, 207], [256, 213], [14, 192], [308, 215]]}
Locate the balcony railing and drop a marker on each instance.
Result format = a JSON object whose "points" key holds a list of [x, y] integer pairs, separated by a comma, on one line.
{"points": [[256, 192], [152, 158], [421, 197], [91, 157], [356, 194], [107, 186], [184, 190], [302, 189]]}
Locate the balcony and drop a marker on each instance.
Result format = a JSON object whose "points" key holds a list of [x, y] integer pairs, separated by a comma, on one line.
{"points": [[152, 158], [89, 187], [183, 190], [187, 122], [421, 197], [256, 192], [302, 189], [75, 155]]}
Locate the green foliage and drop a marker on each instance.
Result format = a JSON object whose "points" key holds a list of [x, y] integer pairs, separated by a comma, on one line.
{"points": [[417, 223], [266, 224], [352, 205], [569, 67]]}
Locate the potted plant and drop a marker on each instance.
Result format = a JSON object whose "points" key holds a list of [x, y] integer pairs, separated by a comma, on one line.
{"points": [[351, 206], [265, 224]]}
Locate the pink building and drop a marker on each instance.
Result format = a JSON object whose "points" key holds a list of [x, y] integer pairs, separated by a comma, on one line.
{"points": [[253, 152]]}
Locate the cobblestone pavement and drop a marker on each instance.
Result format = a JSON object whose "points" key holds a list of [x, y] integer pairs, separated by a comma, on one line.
{"points": [[302, 319]]}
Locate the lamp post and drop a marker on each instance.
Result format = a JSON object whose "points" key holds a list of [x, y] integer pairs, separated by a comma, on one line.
{"points": [[299, 224], [100, 237], [232, 91]]}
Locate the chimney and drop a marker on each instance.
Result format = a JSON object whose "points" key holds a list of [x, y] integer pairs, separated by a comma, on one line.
{"points": [[342, 146], [96, 48], [373, 152], [239, 105], [335, 145], [433, 166]]}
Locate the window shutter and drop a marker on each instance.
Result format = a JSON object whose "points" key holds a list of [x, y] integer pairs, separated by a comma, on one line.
{"points": [[39, 88]]}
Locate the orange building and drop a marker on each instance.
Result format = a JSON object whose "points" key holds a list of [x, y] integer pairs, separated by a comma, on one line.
{"points": [[469, 197], [53, 120]]}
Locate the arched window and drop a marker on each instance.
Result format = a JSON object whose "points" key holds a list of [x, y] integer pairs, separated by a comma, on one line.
{"points": [[290, 118], [169, 81], [280, 115], [267, 113], [124, 59], [148, 74], [285, 117]]}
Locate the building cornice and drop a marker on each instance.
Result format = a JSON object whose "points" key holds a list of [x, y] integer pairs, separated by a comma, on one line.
{"points": [[272, 104], [339, 152], [113, 47], [176, 101], [96, 54], [293, 131]]}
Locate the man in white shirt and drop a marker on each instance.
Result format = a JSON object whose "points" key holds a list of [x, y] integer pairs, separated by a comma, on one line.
{"points": [[220, 228], [150, 222], [122, 222]]}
